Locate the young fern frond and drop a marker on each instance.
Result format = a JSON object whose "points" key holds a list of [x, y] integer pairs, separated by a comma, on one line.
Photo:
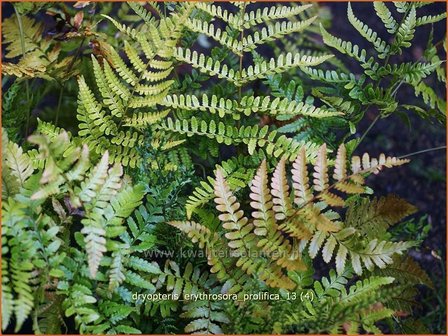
{"points": [[276, 224], [238, 173]]}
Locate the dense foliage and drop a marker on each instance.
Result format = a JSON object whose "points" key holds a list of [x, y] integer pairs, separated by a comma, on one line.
{"points": [[192, 167]]}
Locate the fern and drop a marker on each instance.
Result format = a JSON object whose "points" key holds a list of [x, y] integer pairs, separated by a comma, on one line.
{"points": [[129, 94], [375, 69], [338, 308], [375, 216], [236, 176], [386, 16], [252, 136], [273, 216], [380, 46], [210, 160], [40, 57], [16, 167], [206, 315]]}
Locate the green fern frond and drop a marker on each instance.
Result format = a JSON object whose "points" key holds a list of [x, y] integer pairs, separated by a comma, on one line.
{"points": [[364, 288], [211, 104], [430, 97], [207, 315], [273, 32], [216, 34], [380, 46], [374, 217], [17, 166], [427, 19], [283, 63], [386, 16], [332, 286], [411, 72], [405, 32], [252, 136], [264, 15], [346, 47]]}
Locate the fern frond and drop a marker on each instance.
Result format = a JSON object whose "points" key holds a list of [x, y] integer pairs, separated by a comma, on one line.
{"points": [[386, 16], [374, 217], [116, 275], [405, 32], [17, 162], [96, 180], [331, 76], [143, 119], [273, 32], [239, 235], [211, 104], [411, 72], [364, 288], [430, 97], [41, 58], [219, 12], [264, 221], [280, 192], [237, 177], [427, 19], [142, 12], [207, 316], [283, 63], [300, 179], [205, 64], [282, 107], [406, 271], [346, 47], [11, 35], [380, 46], [216, 34], [264, 15], [21, 276], [333, 285], [252, 136], [18, 264]]}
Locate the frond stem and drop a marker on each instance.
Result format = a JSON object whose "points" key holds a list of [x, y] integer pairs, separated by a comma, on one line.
{"points": [[369, 128], [422, 151]]}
